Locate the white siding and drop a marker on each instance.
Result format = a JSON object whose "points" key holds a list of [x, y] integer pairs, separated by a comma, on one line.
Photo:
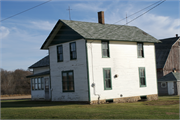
{"points": [[39, 94], [79, 68], [40, 69], [124, 62]]}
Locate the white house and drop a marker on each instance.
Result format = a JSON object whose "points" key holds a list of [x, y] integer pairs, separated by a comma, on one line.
{"points": [[96, 63]]}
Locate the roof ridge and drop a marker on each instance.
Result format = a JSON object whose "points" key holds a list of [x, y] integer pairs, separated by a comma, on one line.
{"points": [[97, 23]]}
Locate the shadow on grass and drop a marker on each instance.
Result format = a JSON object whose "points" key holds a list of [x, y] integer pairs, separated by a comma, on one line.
{"points": [[30, 103]]}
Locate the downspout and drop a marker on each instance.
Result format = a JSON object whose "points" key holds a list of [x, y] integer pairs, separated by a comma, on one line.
{"points": [[93, 84]]}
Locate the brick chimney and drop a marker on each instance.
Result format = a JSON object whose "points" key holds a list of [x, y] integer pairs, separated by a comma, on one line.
{"points": [[176, 35], [101, 17]]}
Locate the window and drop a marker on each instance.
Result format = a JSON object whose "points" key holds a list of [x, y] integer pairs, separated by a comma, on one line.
{"points": [[73, 51], [32, 83], [36, 84], [107, 79], [42, 83], [105, 49], [163, 84], [39, 83], [140, 50], [68, 81], [60, 53], [142, 77]]}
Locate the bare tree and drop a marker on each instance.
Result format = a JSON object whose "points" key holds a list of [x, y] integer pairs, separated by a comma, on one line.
{"points": [[15, 82]]}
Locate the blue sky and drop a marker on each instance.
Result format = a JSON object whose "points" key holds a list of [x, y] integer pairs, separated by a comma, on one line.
{"points": [[22, 36]]}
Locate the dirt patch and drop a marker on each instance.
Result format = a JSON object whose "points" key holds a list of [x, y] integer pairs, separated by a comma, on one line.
{"points": [[171, 113], [169, 102], [16, 97]]}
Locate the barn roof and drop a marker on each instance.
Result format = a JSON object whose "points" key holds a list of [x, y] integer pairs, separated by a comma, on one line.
{"points": [[170, 77], [97, 31], [163, 49], [44, 62]]}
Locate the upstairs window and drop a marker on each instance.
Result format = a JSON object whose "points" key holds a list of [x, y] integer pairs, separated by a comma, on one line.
{"points": [[107, 79], [142, 77], [105, 49], [73, 51], [140, 50], [60, 53], [68, 81]]}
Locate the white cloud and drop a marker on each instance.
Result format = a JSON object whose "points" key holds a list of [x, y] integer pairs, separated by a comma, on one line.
{"points": [[4, 32], [89, 6], [43, 25]]}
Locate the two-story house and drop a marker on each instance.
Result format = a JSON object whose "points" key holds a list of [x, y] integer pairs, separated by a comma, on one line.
{"points": [[96, 63]]}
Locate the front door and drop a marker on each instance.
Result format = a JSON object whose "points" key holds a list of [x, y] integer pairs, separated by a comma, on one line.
{"points": [[170, 88], [46, 88]]}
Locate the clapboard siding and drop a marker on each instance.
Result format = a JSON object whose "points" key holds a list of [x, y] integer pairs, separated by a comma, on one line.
{"points": [[79, 68], [124, 62], [40, 69]]}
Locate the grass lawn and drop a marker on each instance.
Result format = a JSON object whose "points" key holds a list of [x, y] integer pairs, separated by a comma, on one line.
{"points": [[167, 107]]}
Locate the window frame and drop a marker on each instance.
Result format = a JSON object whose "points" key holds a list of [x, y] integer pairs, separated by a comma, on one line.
{"points": [[72, 51], [68, 81], [58, 54], [39, 83], [36, 83], [104, 77], [139, 56], [141, 76], [162, 84], [42, 83], [108, 51]]}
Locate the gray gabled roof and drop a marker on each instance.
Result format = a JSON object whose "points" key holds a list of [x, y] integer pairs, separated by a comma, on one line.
{"points": [[163, 49], [97, 31], [39, 74], [44, 62], [170, 77]]}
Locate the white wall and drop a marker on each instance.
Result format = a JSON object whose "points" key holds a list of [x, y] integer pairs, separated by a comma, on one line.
{"points": [[40, 69], [79, 68], [124, 62]]}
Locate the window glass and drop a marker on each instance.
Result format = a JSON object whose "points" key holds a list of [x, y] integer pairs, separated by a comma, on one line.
{"points": [[68, 81], [42, 83], [107, 78], [36, 84], [142, 77], [140, 50], [60, 53], [39, 83], [73, 51], [105, 49]]}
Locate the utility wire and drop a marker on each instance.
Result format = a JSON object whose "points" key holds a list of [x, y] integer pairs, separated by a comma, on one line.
{"points": [[138, 11], [146, 11], [25, 10], [137, 17]]}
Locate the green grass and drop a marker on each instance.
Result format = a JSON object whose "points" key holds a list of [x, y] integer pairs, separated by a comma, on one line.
{"points": [[167, 107]]}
